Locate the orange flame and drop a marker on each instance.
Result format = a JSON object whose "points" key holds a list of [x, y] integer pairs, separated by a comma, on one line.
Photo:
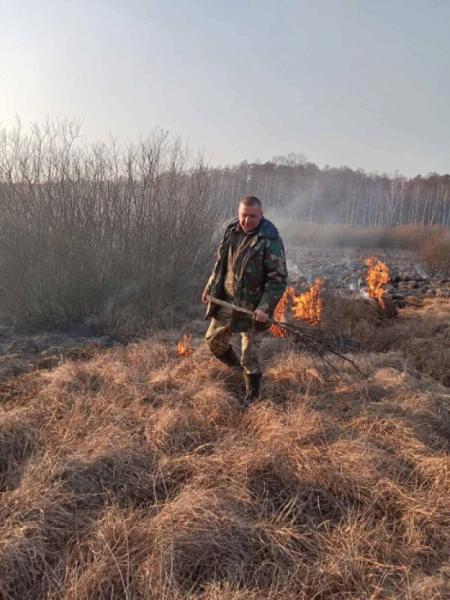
{"points": [[184, 347], [306, 307], [280, 312], [377, 277]]}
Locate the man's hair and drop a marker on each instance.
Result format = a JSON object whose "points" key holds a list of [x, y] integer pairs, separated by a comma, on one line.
{"points": [[251, 201]]}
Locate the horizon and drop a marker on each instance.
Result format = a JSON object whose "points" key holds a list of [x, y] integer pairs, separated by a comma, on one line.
{"points": [[362, 86]]}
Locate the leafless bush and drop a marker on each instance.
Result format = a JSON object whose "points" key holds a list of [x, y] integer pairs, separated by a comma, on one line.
{"points": [[99, 234], [435, 252]]}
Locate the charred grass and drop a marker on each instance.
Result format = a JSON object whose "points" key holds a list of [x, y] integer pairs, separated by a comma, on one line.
{"points": [[135, 474]]}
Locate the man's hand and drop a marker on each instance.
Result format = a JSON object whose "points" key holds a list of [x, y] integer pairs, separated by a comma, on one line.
{"points": [[205, 297], [260, 316]]}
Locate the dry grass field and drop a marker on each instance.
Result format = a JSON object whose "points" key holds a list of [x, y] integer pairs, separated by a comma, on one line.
{"points": [[133, 473]]}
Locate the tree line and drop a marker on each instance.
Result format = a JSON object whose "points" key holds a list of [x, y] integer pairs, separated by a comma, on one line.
{"points": [[336, 195]]}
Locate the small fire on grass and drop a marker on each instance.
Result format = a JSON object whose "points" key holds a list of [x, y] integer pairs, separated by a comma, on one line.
{"points": [[377, 277], [305, 307], [184, 346]]}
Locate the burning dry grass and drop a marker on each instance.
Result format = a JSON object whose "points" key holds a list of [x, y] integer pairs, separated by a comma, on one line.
{"points": [[135, 475]]}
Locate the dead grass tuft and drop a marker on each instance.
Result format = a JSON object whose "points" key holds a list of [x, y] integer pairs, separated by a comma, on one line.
{"points": [[19, 439], [421, 336], [135, 474]]}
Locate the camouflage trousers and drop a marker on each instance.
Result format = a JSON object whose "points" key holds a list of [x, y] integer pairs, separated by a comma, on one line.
{"points": [[218, 339]]}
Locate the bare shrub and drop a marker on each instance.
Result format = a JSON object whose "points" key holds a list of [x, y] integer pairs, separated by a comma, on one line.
{"points": [[99, 234], [435, 252]]}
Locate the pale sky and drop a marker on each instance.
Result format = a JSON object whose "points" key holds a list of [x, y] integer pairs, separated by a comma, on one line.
{"points": [[362, 83]]}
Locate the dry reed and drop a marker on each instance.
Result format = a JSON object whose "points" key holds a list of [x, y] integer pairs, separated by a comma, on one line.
{"points": [[134, 474]]}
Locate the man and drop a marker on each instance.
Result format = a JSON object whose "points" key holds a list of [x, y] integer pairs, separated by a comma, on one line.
{"points": [[250, 271]]}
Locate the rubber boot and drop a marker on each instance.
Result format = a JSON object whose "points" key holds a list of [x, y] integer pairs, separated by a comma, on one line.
{"points": [[229, 358], [252, 387]]}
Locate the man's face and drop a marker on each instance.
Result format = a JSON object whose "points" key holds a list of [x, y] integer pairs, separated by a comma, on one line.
{"points": [[249, 217]]}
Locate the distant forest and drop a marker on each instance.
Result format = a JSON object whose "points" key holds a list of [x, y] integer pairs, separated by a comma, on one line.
{"points": [[336, 195]]}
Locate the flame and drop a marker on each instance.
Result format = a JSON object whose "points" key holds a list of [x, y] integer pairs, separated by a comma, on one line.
{"points": [[306, 307], [184, 346], [280, 313], [377, 277]]}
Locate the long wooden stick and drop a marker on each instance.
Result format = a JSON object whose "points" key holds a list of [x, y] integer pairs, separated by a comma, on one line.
{"points": [[307, 336], [240, 309]]}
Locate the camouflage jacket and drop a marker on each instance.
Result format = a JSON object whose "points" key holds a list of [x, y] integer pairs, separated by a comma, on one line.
{"points": [[261, 280]]}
